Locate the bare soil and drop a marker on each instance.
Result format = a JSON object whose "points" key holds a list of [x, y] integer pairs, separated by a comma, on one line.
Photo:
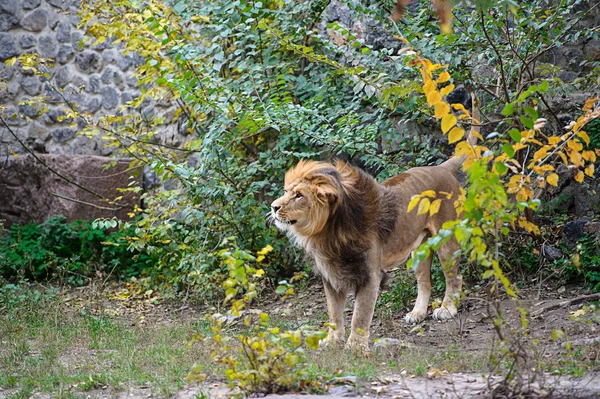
{"points": [[471, 332]]}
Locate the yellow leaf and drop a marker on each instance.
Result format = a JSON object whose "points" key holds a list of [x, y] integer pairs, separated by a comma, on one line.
{"points": [[579, 177], [423, 206], [444, 77], [575, 145], [428, 193], [589, 170], [552, 179], [589, 103], [441, 109], [476, 134], [435, 207], [589, 156], [584, 136], [576, 158], [457, 133], [447, 90], [433, 97], [460, 107], [413, 202], [563, 157], [448, 122], [312, 341]]}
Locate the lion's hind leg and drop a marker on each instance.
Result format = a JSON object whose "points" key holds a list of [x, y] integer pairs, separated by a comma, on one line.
{"points": [[423, 274], [450, 260]]}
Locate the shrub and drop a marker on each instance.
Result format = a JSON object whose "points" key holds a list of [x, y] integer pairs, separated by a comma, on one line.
{"points": [[74, 250]]}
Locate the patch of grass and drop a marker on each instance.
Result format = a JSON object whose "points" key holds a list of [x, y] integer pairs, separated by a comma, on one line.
{"points": [[45, 349]]}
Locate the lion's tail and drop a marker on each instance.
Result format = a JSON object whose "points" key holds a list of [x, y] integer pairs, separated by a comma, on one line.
{"points": [[455, 163]]}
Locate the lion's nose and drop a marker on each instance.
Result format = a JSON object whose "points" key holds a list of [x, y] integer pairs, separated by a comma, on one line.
{"points": [[275, 208]]}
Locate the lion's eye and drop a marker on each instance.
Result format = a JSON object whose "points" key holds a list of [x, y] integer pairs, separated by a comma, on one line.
{"points": [[298, 196]]}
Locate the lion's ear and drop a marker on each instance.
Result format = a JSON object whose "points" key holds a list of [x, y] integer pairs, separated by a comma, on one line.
{"points": [[328, 194]]}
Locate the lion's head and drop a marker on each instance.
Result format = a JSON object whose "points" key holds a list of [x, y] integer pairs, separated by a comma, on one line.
{"points": [[313, 191]]}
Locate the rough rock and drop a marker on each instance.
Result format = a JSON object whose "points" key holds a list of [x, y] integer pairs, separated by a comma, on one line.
{"points": [[94, 84], [30, 84], [62, 134], [63, 31], [62, 76], [10, 14], [77, 37], [573, 231], [88, 61], [8, 46], [48, 47], [592, 227], [38, 131], [460, 95], [52, 96], [93, 104], [378, 37], [35, 21], [6, 72], [592, 49], [28, 110], [344, 391], [31, 4], [27, 41], [28, 188], [65, 53], [551, 253], [61, 4], [110, 97]]}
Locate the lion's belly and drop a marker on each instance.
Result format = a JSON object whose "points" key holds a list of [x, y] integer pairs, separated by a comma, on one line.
{"points": [[394, 253]]}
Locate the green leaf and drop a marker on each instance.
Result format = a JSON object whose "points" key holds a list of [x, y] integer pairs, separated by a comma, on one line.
{"points": [[515, 134], [500, 167], [531, 112], [508, 109], [508, 150], [528, 123]]}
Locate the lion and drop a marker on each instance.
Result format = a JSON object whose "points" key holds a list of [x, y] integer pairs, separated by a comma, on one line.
{"points": [[356, 229]]}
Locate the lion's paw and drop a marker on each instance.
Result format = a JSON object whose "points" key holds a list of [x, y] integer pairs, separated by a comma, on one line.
{"points": [[358, 343], [414, 317], [444, 313], [331, 341]]}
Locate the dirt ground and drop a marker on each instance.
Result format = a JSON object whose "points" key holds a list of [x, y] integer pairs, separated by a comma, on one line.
{"points": [[471, 332]]}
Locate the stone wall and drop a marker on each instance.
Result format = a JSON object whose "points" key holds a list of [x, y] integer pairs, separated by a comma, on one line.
{"points": [[96, 78]]}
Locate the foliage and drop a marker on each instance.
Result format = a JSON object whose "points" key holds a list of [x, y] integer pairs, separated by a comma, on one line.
{"points": [[585, 262], [73, 251], [259, 359], [256, 90], [495, 175]]}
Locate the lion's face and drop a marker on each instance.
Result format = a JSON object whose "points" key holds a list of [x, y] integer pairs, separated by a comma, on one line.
{"points": [[311, 193]]}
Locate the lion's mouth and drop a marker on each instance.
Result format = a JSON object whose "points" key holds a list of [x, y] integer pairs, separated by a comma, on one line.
{"points": [[290, 222]]}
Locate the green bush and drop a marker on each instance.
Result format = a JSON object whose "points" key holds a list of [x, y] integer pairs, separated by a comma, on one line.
{"points": [[585, 263], [74, 250]]}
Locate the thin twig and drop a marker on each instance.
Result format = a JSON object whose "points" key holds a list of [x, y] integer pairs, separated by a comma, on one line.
{"points": [[87, 203]]}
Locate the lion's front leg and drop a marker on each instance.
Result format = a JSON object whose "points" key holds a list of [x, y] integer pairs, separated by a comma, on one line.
{"points": [[336, 302], [366, 296]]}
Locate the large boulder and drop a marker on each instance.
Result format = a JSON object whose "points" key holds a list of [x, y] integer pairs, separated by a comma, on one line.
{"points": [[30, 192]]}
